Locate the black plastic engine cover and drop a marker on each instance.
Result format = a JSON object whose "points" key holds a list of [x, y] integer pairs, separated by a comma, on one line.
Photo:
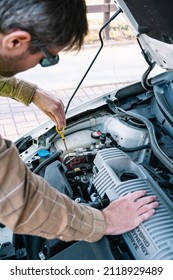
{"points": [[83, 250], [55, 176]]}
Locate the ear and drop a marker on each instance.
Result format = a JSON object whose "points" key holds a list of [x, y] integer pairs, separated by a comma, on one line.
{"points": [[16, 41]]}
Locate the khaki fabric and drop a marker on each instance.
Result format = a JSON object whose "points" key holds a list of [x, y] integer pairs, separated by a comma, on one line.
{"points": [[17, 89]]}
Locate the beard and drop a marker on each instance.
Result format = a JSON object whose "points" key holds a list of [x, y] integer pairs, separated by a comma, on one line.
{"points": [[7, 66], [10, 66]]}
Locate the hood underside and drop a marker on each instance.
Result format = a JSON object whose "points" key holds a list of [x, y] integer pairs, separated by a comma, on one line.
{"points": [[152, 22]]}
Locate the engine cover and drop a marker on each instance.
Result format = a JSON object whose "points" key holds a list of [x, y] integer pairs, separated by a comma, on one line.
{"points": [[116, 175]]}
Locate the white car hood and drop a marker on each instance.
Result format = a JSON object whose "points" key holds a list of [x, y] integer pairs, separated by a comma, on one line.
{"points": [[152, 22]]}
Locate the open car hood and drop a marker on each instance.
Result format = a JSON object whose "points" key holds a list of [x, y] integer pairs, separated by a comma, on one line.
{"points": [[152, 23]]}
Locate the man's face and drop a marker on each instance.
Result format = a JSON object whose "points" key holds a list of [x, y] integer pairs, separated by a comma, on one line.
{"points": [[15, 56]]}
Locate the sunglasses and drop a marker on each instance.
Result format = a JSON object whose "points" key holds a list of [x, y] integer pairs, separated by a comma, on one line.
{"points": [[48, 59]]}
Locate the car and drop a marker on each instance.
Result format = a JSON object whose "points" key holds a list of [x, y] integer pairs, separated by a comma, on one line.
{"points": [[118, 143]]}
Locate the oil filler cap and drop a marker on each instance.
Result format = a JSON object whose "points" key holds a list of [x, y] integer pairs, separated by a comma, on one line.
{"points": [[96, 134]]}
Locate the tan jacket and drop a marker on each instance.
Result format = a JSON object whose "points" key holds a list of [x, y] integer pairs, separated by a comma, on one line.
{"points": [[17, 89], [28, 205]]}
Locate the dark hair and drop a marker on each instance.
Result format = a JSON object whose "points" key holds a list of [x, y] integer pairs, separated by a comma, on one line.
{"points": [[51, 23]]}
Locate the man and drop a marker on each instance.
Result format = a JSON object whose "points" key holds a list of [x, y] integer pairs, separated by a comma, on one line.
{"points": [[33, 32]]}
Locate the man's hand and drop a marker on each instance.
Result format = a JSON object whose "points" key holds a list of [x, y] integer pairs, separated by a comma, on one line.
{"points": [[128, 212], [51, 106]]}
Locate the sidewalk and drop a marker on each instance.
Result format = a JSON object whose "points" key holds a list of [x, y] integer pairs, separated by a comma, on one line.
{"points": [[114, 67]]}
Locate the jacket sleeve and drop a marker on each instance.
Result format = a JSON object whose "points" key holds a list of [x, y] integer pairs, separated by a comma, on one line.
{"points": [[17, 89], [28, 205]]}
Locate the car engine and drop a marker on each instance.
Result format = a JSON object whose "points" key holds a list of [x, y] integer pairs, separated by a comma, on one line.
{"points": [[124, 145]]}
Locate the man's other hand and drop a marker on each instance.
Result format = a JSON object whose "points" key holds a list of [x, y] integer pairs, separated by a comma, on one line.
{"points": [[127, 212]]}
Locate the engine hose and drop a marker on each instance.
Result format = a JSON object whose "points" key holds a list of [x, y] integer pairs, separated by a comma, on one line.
{"points": [[145, 82], [134, 149], [127, 150], [47, 161], [153, 141]]}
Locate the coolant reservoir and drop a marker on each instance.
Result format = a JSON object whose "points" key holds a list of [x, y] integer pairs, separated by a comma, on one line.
{"points": [[79, 139]]}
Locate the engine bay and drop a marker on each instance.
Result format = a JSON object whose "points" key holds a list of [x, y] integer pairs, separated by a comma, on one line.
{"points": [[120, 147]]}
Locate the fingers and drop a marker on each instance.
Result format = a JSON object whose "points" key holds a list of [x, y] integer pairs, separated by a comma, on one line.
{"points": [[145, 205], [137, 194], [51, 106], [57, 114], [145, 200], [60, 118], [60, 121], [145, 216]]}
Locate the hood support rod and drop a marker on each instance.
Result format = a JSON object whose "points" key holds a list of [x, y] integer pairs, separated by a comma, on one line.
{"points": [[101, 40]]}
